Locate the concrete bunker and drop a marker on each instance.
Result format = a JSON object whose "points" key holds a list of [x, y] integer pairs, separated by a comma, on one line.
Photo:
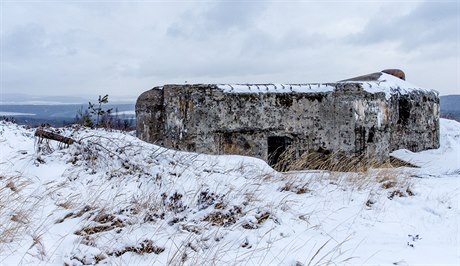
{"points": [[367, 116]]}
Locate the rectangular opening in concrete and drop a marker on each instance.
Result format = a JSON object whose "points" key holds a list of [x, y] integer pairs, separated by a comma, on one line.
{"points": [[404, 108], [276, 146]]}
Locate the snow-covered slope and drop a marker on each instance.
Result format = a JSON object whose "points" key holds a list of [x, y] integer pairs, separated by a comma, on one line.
{"points": [[445, 160], [112, 198]]}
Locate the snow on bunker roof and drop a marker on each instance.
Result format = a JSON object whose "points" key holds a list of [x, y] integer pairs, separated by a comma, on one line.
{"points": [[387, 82], [276, 88], [390, 81]]}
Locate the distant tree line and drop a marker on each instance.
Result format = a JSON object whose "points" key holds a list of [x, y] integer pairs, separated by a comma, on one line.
{"points": [[451, 115]]}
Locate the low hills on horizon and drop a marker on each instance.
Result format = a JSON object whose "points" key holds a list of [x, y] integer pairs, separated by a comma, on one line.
{"points": [[450, 106]]}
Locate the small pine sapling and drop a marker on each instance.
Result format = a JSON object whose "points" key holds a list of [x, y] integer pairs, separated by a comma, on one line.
{"points": [[101, 114]]}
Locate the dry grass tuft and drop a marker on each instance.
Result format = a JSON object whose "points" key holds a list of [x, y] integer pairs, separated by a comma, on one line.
{"points": [[20, 217], [206, 199], [146, 246], [38, 243], [11, 186], [261, 217], [90, 230], [87, 260], [333, 161], [72, 215], [297, 189], [407, 192], [224, 218], [17, 209], [322, 160], [173, 202], [395, 163], [106, 222]]}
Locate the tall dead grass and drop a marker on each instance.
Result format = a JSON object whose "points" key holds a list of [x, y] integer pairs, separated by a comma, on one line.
{"points": [[15, 210], [332, 161]]}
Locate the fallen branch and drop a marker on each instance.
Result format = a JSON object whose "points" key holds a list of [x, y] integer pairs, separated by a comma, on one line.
{"points": [[53, 136]]}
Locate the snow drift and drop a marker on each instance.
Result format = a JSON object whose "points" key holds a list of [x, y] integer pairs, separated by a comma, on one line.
{"points": [[111, 198]]}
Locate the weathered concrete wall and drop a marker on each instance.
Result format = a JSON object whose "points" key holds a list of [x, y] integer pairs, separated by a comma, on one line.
{"points": [[415, 121], [350, 120], [150, 116]]}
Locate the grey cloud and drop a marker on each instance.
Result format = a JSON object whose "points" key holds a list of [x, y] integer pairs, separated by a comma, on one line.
{"points": [[429, 23], [258, 53], [25, 41], [229, 66], [134, 47], [220, 17], [226, 15], [32, 41], [259, 43]]}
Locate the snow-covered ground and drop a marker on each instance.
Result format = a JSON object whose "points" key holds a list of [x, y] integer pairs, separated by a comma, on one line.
{"points": [[111, 198]]}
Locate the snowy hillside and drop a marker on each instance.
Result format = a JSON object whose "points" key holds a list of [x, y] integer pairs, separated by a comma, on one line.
{"points": [[111, 198]]}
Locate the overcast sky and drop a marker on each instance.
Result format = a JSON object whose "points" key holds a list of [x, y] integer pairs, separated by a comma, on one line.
{"points": [[123, 48]]}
